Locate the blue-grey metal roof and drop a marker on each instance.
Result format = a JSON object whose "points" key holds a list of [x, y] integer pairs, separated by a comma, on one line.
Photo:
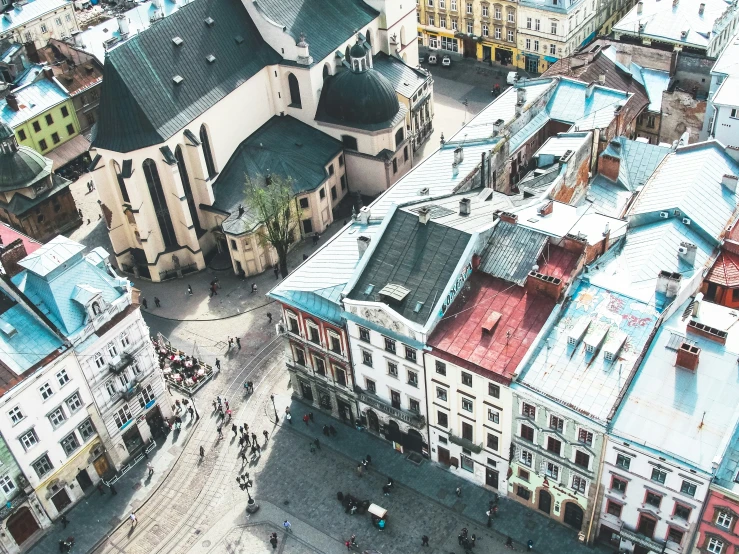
{"points": [[33, 100], [528, 130], [405, 79], [570, 104], [21, 15], [609, 198], [511, 252], [30, 344], [638, 160], [312, 302], [655, 83]]}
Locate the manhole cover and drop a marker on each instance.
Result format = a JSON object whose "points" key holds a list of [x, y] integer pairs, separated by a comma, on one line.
{"points": [[205, 544], [155, 528]]}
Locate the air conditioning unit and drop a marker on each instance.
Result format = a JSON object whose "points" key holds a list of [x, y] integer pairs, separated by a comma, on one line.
{"points": [[686, 221], [682, 250], [664, 215]]}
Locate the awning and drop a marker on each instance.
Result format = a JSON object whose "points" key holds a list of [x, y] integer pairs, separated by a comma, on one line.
{"points": [[550, 59], [532, 56], [65, 153]]}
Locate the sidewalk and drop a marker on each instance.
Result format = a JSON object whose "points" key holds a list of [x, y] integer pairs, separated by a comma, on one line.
{"points": [[234, 297], [97, 515], [438, 485]]}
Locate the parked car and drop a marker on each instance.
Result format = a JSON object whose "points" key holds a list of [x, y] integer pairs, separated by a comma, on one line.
{"points": [[421, 59], [446, 61], [433, 60], [512, 78]]}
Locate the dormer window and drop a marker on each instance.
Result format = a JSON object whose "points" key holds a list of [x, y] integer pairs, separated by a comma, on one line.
{"points": [[96, 308]]}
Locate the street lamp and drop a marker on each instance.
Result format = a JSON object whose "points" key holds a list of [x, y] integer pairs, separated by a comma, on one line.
{"points": [[272, 397], [194, 407]]}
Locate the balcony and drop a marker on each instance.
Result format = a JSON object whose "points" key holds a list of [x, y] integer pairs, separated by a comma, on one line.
{"points": [[406, 416], [10, 506], [641, 540], [464, 443], [125, 361]]}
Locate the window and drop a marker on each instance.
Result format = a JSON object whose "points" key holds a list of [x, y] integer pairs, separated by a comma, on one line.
{"points": [[42, 466], [410, 354], [467, 431], [688, 488], [304, 203], [334, 194], [300, 357], [442, 4], [493, 390], [450, 41], [537, 25], [579, 484], [675, 535], [466, 379], [207, 152], [498, 13], [552, 49], [441, 419], [313, 334], [623, 461], [467, 404], [57, 417], [392, 369], [526, 458], [528, 410], [292, 322], [523, 492], [6, 483], [554, 446], [651, 121], [62, 377], [58, 21], [454, 5], [371, 386], [614, 508], [367, 358], [658, 475], [441, 394], [74, 402], [70, 444], [556, 423], [413, 378], [653, 499], [45, 391], [510, 35], [389, 345], [292, 82], [528, 23], [322, 194], [334, 343], [343, 182], [340, 376], [42, 144], [554, 27], [470, 27], [21, 135], [36, 126], [493, 415], [511, 17], [413, 405], [618, 484], [582, 459], [430, 3], [65, 111], [320, 366], [585, 437], [469, 7], [349, 142], [110, 387], [122, 416], [112, 350], [552, 470], [49, 119], [29, 439], [715, 546], [86, 429], [484, 11], [364, 334], [528, 44], [146, 396], [341, 160], [125, 340], [55, 138], [536, 46], [154, 184], [682, 512], [440, 368], [527, 433], [431, 19], [733, 113], [492, 441], [485, 31], [724, 520]]}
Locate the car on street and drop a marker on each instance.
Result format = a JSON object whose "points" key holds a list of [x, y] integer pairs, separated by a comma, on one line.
{"points": [[446, 61], [512, 78], [433, 60]]}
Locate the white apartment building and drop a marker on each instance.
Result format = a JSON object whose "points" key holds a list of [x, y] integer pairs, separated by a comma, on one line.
{"points": [[722, 111], [38, 21]]}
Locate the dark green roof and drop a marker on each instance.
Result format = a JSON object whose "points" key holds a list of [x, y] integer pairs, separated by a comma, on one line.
{"points": [[21, 167], [421, 258], [282, 146], [20, 204], [140, 104], [326, 23], [404, 78]]}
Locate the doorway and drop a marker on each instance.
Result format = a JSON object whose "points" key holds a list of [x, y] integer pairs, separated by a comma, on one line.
{"points": [[573, 515], [345, 411], [306, 390], [487, 53], [61, 500], [491, 478], [414, 441], [373, 422], [155, 421], [83, 478], [132, 439], [545, 501], [711, 291], [470, 48], [532, 65], [444, 456], [503, 57], [101, 465], [22, 525]]}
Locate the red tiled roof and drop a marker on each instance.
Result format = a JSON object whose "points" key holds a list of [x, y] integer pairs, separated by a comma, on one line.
{"points": [[8, 235], [725, 270]]}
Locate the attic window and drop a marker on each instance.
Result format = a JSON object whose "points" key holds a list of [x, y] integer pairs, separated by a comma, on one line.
{"points": [[177, 41], [210, 58], [369, 289], [177, 79], [239, 39], [394, 292], [418, 308], [209, 21]]}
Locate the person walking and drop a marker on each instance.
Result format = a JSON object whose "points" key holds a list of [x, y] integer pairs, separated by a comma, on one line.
{"points": [[424, 541], [144, 303], [530, 545], [266, 435], [310, 415], [277, 272], [289, 418], [253, 288], [218, 364], [234, 429], [273, 540], [150, 468], [238, 342], [458, 492], [230, 343], [287, 526], [269, 316], [64, 521], [254, 438], [189, 290], [360, 470], [157, 303], [243, 455], [133, 520], [220, 433], [317, 443], [246, 439], [509, 543], [305, 420]]}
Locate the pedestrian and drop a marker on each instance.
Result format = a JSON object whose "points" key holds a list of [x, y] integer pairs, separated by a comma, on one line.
{"points": [[191, 411], [509, 543], [254, 438], [289, 418], [287, 526], [317, 443], [277, 272], [473, 540], [458, 492], [101, 489], [157, 303], [273, 540], [79, 211], [113, 492], [365, 463], [64, 521], [312, 448], [238, 342], [495, 510], [305, 257], [325, 430], [144, 303], [269, 316], [189, 290], [386, 491], [213, 290], [266, 435], [530, 545], [150, 468], [424, 541], [220, 432], [489, 513], [246, 428], [359, 470], [243, 455], [253, 288], [315, 239], [332, 430], [246, 439], [230, 343], [310, 415], [305, 419], [241, 441], [369, 459], [133, 519], [234, 429], [218, 364]]}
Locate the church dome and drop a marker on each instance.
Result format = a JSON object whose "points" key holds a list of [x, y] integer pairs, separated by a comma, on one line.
{"points": [[20, 166], [360, 95]]}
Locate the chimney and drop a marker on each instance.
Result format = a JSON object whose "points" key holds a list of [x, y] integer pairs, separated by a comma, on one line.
{"points": [[48, 73], [546, 209], [363, 243], [686, 252], [589, 90], [424, 215], [544, 284], [668, 283], [701, 9], [675, 3], [518, 110], [12, 102], [465, 206], [458, 155], [732, 151], [364, 215], [624, 58], [10, 255], [521, 96], [123, 25], [706, 331], [602, 79], [498, 127], [303, 52], [639, 7], [729, 181], [688, 356], [455, 169], [508, 217], [609, 166]]}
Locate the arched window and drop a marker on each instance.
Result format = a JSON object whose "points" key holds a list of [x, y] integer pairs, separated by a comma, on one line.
{"points": [[188, 189], [207, 152], [402, 36], [326, 71], [349, 142], [95, 308], [292, 82], [368, 34], [121, 182], [151, 174], [398, 138], [346, 54]]}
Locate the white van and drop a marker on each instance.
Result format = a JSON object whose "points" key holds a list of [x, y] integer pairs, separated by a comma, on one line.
{"points": [[512, 78], [433, 60]]}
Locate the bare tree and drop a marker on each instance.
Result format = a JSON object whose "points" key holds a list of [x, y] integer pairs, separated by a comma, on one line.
{"points": [[271, 201]]}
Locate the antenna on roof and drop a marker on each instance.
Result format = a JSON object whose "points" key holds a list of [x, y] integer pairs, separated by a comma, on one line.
{"points": [[702, 419]]}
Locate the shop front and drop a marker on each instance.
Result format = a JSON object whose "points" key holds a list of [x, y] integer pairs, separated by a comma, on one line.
{"points": [[504, 56], [531, 63]]}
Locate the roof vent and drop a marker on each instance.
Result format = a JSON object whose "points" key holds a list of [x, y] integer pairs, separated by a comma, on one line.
{"points": [[686, 252], [239, 39], [177, 41], [394, 293], [639, 7], [418, 308], [668, 283], [577, 331], [363, 243], [683, 35], [458, 155], [369, 289], [465, 206], [546, 209], [177, 79], [706, 331], [209, 21], [424, 215], [701, 8], [210, 58], [663, 215], [7, 329], [423, 192]]}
